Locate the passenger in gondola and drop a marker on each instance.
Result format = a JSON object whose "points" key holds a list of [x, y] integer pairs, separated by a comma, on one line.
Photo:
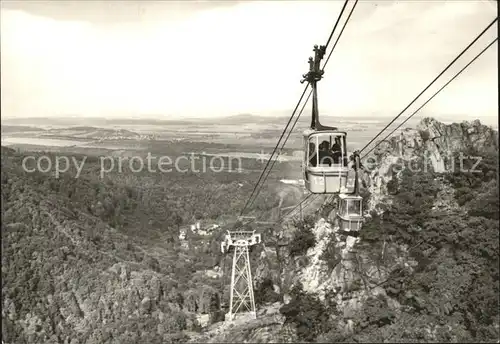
{"points": [[312, 154], [336, 151], [354, 208], [325, 157]]}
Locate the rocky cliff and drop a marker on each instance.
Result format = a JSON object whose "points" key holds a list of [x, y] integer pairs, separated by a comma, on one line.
{"points": [[432, 145]]}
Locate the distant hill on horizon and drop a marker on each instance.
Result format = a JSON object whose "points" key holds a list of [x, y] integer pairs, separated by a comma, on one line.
{"points": [[30, 123], [232, 119], [18, 128]]}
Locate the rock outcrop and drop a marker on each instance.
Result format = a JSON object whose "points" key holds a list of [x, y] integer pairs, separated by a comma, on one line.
{"points": [[431, 146]]}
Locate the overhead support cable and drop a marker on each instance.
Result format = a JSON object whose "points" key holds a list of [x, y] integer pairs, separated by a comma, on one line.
{"points": [[435, 94], [432, 82]]}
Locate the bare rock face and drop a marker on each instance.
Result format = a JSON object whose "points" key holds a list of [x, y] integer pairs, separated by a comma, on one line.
{"points": [[430, 146], [459, 136], [356, 275], [269, 327], [446, 138]]}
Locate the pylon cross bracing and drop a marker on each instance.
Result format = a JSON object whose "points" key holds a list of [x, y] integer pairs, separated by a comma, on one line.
{"points": [[241, 291]]}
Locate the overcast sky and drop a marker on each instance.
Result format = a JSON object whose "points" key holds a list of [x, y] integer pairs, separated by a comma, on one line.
{"points": [[201, 59]]}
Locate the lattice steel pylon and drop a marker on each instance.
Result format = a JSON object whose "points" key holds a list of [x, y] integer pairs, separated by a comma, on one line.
{"points": [[241, 292]]}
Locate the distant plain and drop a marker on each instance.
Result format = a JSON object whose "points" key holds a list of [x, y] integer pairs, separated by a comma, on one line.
{"points": [[245, 136]]}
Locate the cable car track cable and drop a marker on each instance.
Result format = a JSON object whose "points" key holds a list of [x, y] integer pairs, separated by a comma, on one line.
{"points": [[281, 148], [428, 86], [287, 214], [291, 213], [297, 206], [340, 34], [435, 94], [449, 81], [274, 151], [337, 22]]}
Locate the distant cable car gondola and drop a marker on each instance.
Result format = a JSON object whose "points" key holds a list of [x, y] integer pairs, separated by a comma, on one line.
{"points": [[325, 165], [350, 213], [350, 210]]}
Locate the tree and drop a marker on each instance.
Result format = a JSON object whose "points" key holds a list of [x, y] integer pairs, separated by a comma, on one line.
{"points": [[309, 315]]}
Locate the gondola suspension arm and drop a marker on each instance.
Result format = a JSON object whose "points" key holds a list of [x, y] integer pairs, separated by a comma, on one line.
{"points": [[314, 75]]}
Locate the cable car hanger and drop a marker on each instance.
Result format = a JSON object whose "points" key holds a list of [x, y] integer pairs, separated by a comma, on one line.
{"points": [[314, 75], [357, 165]]}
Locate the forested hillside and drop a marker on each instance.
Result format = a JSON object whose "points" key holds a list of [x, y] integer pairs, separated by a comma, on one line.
{"points": [[86, 260]]}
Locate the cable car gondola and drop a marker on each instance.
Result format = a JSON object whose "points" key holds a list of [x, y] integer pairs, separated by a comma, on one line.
{"points": [[350, 210], [325, 166], [350, 213]]}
